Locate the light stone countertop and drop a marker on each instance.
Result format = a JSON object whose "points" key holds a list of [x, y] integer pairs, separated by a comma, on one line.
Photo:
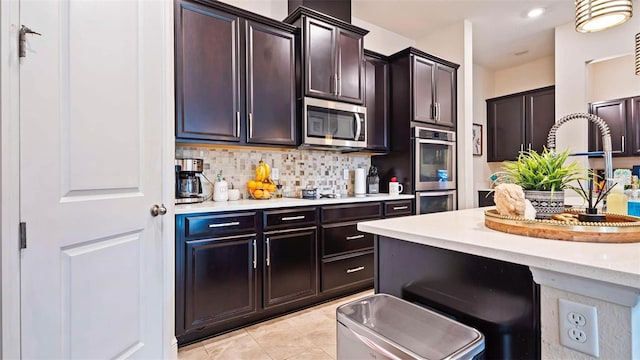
{"points": [[464, 231], [248, 204]]}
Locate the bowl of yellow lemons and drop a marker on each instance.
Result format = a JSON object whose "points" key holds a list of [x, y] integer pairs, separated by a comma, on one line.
{"points": [[261, 190]]}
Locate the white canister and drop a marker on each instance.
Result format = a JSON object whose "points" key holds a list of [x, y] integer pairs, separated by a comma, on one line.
{"points": [[360, 183], [220, 191], [234, 194]]}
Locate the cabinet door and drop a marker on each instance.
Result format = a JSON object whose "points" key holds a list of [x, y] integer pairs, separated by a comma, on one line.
{"points": [[614, 113], [271, 76], [207, 74], [540, 117], [350, 62], [423, 108], [218, 280], [377, 103], [290, 266], [505, 128], [320, 65], [445, 91], [635, 126]]}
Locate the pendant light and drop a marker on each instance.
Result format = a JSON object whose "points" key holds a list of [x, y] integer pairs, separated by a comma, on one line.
{"points": [[596, 15], [638, 54]]}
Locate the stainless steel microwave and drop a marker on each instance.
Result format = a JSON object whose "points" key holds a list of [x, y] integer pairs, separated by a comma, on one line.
{"points": [[333, 124]]}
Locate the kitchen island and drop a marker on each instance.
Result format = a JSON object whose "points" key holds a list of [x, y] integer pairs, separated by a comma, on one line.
{"points": [[606, 276]]}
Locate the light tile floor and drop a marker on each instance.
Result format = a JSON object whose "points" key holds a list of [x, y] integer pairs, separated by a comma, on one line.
{"points": [[306, 334]]}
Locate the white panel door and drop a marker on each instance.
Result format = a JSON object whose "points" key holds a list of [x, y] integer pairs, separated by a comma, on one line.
{"points": [[91, 116]]}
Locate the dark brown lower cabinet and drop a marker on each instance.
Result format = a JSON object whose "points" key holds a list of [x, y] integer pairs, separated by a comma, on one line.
{"points": [[290, 266], [347, 270], [219, 281]]}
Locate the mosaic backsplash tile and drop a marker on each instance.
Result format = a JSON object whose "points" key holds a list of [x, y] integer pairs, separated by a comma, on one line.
{"points": [[298, 168]]}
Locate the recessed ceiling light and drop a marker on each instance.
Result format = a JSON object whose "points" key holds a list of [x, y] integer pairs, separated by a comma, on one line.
{"points": [[534, 13]]}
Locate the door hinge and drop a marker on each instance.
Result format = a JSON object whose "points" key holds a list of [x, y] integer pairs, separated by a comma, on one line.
{"points": [[23, 235], [22, 40]]}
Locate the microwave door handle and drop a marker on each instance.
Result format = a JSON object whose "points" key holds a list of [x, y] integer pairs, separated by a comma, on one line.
{"points": [[356, 117]]}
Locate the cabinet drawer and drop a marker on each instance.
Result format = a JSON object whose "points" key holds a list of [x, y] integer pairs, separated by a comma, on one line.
{"points": [[207, 225], [340, 213], [343, 271], [277, 219], [344, 238], [398, 208]]}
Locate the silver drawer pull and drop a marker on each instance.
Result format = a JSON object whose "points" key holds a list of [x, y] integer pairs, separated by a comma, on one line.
{"points": [[233, 223], [400, 207], [359, 268], [354, 237], [289, 218]]}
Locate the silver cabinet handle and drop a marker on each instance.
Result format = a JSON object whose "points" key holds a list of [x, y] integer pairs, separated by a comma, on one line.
{"points": [[233, 223], [158, 210], [289, 218], [529, 147], [238, 123], [255, 255], [250, 125], [268, 253], [400, 207], [354, 237], [355, 269], [521, 147], [622, 140]]}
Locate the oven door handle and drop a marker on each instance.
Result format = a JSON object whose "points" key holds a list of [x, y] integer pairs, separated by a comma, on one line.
{"points": [[441, 142], [435, 193], [356, 117]]}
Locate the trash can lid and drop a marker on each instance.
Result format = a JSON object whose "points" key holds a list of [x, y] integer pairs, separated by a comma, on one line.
{"points": [[410, 327]]}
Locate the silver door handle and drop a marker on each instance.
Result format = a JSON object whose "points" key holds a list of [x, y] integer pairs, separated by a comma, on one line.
{"points": [[622, 140], [356, 269], [238, 123], [438, 111], [335, 81], [358, 126], [268, 253], [339, 80], [354, 237], [250, 125], [158, 210], [289, 218], [233, 223], [400, 207], [255, 255]]}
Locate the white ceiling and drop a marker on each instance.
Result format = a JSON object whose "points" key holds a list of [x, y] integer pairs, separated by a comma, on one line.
{"points": [[500, 28]]}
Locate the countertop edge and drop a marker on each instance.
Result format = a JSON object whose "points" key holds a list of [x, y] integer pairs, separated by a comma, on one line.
{"points": [[210, 206]]}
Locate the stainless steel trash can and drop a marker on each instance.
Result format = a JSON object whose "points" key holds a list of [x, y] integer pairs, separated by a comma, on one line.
{"points": [[382, 326]]}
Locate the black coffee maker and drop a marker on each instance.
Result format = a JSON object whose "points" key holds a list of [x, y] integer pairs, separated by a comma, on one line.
{"points": [[188, 185]]}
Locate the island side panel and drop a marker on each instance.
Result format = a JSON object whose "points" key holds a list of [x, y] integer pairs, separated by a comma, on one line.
{"points": [[478, 286]]}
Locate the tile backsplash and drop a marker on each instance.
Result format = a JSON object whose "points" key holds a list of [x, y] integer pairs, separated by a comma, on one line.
{"points": [[298, 168]]}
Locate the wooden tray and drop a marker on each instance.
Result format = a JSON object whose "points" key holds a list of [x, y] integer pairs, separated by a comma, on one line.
{"points": [[617, 229]]}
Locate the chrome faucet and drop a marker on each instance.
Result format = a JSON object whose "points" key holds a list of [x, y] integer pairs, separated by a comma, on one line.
{"points": [[606, 141]]}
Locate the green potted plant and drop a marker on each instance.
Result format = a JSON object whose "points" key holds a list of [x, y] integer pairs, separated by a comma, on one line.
{"points": [[543, 177]]}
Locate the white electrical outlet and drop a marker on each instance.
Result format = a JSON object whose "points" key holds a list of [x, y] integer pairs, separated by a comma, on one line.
{"points": [[345, 174], [578, 326]]}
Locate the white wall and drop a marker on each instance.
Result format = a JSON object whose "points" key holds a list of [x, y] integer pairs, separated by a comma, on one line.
{"points": [[454, 43], [382, 40], [532, 75], [483, 88], [609, 79]]}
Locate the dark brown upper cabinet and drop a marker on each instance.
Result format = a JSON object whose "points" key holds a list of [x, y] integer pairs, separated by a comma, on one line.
{"points": [[271, 85], [433, 92], [235, 76], [208, 67], [377, 101], [615, 113], [519, 122], [332, 57], [423, 91]]}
